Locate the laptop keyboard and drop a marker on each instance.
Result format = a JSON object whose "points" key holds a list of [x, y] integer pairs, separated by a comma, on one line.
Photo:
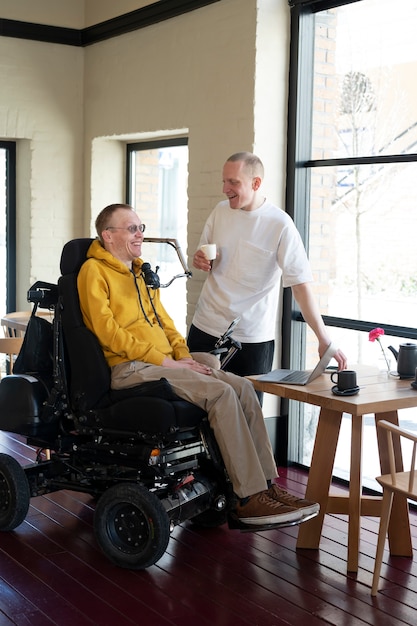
{"points": [[295, 377]]}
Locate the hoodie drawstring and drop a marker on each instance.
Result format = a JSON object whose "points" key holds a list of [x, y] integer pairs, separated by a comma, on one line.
{"points": [[141, 303]]}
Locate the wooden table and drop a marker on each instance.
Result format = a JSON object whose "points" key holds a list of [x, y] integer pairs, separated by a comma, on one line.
{"points": [[19, 322], [381, 395]]}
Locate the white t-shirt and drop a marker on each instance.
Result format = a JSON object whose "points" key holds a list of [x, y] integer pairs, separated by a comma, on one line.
{"points": [[255, 249]]}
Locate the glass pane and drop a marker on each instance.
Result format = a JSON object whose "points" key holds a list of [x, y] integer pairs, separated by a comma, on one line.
{"points": [[370, 457], [364, 86], [363, 221], [160, 198], [362, 244], [358, 349]]}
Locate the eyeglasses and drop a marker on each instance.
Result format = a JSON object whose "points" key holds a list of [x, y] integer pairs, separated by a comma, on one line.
{"points": [[133, 228]]}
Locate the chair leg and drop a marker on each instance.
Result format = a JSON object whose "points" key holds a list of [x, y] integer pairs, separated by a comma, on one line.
{"points": [[382, 535]]}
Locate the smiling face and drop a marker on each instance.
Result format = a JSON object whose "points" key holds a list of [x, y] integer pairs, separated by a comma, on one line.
{"points": [[240, 186], [117, 239]]}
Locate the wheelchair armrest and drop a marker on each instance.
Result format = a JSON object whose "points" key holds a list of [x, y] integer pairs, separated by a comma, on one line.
{"points": [[44, 295]]}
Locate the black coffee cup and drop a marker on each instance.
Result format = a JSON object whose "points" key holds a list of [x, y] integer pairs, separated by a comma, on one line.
{"points": [[346, 380]]}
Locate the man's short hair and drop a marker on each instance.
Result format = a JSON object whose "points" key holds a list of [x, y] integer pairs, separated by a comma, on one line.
{"points": [[253, 163], [103, 219]]}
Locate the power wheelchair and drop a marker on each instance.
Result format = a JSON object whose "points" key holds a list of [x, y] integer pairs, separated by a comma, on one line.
{"points": [[149, 458]]}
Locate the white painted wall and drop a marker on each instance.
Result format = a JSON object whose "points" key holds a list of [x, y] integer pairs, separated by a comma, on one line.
{"points": [[271, 94], [217, 74], [102, 10], [198, 73], [66, 13], [41, 106]]}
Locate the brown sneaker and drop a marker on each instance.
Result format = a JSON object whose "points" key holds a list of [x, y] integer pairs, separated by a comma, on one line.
{"points": [[306, 507], [262, 509]]}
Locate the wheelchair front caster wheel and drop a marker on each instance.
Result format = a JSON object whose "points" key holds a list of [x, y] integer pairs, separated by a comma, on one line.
{"points": [[14, 493], [131, 526]]}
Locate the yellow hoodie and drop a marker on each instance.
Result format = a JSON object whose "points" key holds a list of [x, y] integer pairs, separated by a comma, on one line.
{"points": [[117, 307]]}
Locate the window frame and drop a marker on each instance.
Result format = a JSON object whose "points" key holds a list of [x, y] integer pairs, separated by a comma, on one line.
{"points": [[146, 145], [10, 198], [300, 103], [173, 224], [299, 138]]}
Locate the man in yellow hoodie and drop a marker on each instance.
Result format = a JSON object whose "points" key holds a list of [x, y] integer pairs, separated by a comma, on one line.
{"points": [[140, 343]]}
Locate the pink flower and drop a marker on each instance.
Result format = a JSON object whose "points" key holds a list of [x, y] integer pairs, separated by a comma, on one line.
{"points": [[376, 333]]}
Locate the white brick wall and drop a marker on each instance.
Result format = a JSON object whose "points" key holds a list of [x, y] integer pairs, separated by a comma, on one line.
{"points": [[41, 106], [218, 72]]}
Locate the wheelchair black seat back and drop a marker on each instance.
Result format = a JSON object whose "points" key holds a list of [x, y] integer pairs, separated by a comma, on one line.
{"points": [[162, 413], [147, 455]]}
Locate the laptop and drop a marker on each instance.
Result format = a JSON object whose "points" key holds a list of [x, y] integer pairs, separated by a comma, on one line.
{"points": [[300, 377]]}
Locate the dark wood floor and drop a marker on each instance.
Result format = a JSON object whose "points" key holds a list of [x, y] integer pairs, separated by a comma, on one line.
{"points": [[51, 572]]}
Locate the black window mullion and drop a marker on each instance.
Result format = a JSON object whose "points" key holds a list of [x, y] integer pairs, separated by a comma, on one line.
{"points": [[319, 5], [10, 148], [300, 106]]}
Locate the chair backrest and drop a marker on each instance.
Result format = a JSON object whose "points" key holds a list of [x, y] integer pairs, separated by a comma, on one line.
{"points": [[73, 255], [10, 346], [403, 480], [402, 448], [89, 374]]}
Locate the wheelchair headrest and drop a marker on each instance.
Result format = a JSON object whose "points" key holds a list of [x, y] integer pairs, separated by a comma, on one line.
{"points": [[74, 253]]}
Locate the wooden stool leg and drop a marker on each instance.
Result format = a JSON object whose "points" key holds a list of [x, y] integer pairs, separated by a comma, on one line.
{"points": [[320, 475]]}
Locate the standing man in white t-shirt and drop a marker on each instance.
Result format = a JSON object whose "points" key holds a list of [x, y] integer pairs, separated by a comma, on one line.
{"points": [[257, 246]]}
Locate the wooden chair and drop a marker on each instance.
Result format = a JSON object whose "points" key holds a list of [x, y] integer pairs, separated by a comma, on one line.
{"points": [[14, 324], [10, 346], [403, 483]]}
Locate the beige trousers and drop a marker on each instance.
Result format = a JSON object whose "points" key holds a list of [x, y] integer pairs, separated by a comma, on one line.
{"points": [[234, 413]]}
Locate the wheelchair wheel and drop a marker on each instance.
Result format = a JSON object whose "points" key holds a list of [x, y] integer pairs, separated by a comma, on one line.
{"points": [[131, 526], [14, 493]]}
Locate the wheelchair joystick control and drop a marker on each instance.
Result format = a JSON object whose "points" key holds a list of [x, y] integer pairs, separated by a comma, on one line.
{"points": [[151, 278]]}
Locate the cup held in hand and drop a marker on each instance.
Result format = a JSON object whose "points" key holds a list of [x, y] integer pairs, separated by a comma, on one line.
{"points": [[210, 250]]}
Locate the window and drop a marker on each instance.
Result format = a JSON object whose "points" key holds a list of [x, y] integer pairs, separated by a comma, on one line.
{"points": [[352, 166], [157, 174], [7, 226]]}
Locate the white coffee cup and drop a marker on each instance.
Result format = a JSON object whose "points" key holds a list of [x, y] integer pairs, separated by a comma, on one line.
{"points": [[210, 250]]}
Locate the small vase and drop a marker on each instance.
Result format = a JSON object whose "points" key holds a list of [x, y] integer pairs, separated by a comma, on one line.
{"points": [[384, 365]]}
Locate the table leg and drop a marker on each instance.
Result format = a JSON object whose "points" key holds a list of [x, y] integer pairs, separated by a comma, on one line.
{"points": [[399, 535], [355, 494], [320, 475]]}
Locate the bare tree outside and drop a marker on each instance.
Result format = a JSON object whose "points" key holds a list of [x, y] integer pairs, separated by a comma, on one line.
{"points": [[363, 220]]}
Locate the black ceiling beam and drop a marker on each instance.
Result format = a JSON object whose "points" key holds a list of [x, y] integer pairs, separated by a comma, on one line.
{"points": [[40, 32], [141, 18]]}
